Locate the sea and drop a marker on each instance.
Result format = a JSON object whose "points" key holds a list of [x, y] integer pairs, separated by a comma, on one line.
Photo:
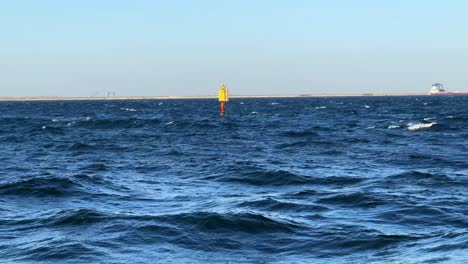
{"points": [[274, 180]]}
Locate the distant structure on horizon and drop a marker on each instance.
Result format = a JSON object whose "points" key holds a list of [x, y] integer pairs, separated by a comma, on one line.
{"points": [[438, 89]]}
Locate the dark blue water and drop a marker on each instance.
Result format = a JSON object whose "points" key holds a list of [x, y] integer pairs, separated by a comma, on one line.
{"points": [[311, 180]]}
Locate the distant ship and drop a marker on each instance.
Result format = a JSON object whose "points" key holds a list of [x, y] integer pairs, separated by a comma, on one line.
{"points": [[438, 89]]}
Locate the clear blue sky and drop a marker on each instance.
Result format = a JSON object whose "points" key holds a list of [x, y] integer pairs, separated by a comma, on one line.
{"points": [[175, 47]]}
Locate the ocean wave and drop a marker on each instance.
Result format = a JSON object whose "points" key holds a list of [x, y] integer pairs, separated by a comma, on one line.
{"points": [[116, 123], [94, 167], [321, 143], [230, 222], [345, 238], [111, 123], [210, 231], [128, 109], [92, 180], [50, 186], [338, 180], [204, 124], [58, 250], [373, 240], [355, 141], [300, 134], [303, 194], [53, 129], [268, 177], [190, 222], [420, 126], [421, 215], [417, 177], [296, 144], [458, 244], [82, 146], [357, 199], [76, 217], [271, 204]]}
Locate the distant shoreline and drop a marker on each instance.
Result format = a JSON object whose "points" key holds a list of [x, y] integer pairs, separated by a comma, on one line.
{"points": [[59, 98]]}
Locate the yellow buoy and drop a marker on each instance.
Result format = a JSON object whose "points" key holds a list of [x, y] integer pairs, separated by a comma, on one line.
{"points": [[223, 97]]}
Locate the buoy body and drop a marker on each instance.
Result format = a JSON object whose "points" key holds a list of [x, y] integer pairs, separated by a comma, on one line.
{"points": [[222, 107], [223, 97]]}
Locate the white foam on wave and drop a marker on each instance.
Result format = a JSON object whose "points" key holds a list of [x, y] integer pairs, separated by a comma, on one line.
{"points": [[88, 118], [366, 106], [128, 109], [370, 127], [419, 126], [429, 118], [55, 120], [170, 123], [393, 127], [274, 103], [254, 112], [321, 107]]}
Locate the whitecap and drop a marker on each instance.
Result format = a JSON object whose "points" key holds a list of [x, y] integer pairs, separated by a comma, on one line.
{"points": [[370, 127], [274, 103], [55, 120], [241, 103], [393, 127], [44, 127], [321, 107], [366, 106], [170, 123], [254, 112], [87, 118], [419, 126], [160, 104], [429, 118], [128, 109]]}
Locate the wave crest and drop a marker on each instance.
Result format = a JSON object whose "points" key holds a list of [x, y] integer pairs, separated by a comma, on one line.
{"points": [[52, 186], [420, 126], [268, 177]]}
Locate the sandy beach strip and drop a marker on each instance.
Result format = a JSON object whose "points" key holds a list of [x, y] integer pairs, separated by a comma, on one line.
{"points": [[58, 98]]}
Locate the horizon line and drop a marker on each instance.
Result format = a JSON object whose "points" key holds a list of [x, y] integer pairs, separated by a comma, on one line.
{"points": [[90, 98]]}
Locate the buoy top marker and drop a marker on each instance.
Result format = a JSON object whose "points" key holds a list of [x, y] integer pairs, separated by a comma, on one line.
{"points": [[223, 94]]}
